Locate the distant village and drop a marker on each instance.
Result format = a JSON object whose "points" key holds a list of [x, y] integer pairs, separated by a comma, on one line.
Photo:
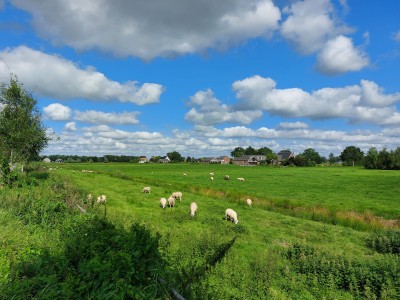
{"points": [[243, 160]]}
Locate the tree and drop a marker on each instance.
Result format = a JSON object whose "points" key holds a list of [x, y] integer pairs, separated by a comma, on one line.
{"points": [[22, 134], [352, 155], [250, 151], [175, 156], [237, 152], [371, 159], [312, 157], [333, 159]]}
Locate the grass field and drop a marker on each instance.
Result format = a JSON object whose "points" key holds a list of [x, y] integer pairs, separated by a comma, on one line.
{"points": [[277, 250], [351, 196]]}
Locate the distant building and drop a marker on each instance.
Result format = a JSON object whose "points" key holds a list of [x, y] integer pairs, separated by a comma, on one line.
{"points": [[164, 159], [249, 160], [143, 159], [223, 160], [282, 156], [47, 160], [59, 160]]}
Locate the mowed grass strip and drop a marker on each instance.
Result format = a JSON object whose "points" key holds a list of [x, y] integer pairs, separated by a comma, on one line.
{"points": [[344, 195]]}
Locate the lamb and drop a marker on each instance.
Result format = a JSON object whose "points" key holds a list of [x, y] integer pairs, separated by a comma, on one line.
{"points": [[240, 179], [226, 177], [146, 189], [212, 178], [231, 215], [101, 199], [171, 201], [211, 174], [163, 202], [176, 195], [248, 201], [193, 209]]}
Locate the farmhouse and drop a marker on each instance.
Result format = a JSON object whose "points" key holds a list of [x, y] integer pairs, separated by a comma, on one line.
{"points": [[223, 160], [164, 159], [249, 160], [282, 156], [143, 159]]}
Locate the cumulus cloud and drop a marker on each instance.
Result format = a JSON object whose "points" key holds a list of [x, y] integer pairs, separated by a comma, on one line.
{"points": [[70, 126], [293, 125], [149, 29], [339, 56], [209, 110], [69, 81], [98, 117], [57, 112], [356, 103], [310, 24]]}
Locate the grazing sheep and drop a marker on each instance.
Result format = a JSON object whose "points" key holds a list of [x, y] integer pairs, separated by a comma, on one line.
{"points": [[226, 177], [101, 199], [171, 201], [184, 174], [212, 178], [211, 174], [163, 202], [89, 198], [240, 179], [231, 215], [176, 195], [248, 201], [146, 189], [193, 209]]}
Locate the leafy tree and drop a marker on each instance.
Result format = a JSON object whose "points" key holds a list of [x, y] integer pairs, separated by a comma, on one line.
{"points": [[352, 155], [22, 134], [237, 152], [396, 159], [385, 161], [371, 159], [312, 157], [250, 151], [175, 156], [333, 159]]}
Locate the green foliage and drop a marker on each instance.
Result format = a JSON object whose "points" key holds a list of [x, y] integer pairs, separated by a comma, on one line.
{"points": [[352, 156], [21, 131], [175, 156], [385, 242], [375, 277], [99, 261]]}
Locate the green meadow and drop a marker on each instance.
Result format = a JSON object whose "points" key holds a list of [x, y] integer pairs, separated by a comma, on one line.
{"points": [[312, 233]]}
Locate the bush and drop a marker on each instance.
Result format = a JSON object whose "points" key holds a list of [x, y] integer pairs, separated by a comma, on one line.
{"points": [[99, 261], [375, 277], [386, 242]]}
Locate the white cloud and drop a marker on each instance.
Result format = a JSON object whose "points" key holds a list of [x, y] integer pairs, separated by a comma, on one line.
{"points": [[98, 117], [210, 111], [69, 81], [339, 56], [310, 24], [396, 36], [70, 126], [57, 112], [293, 125], [357, 103], [144, 29], [1, 4]]}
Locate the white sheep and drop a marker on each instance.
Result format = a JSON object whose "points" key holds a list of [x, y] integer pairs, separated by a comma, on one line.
{"points": [[176, 195], [163, 202], [146, 189], [248, 202], [211, 174], [89, 198], [226, 177], [101, 199], [231, 215], [193, 209], [184, 174], [240, 179], [212, 178], [171, 201]]}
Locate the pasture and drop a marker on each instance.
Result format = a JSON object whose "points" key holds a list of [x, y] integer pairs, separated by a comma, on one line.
{"points": [[292, 244]]}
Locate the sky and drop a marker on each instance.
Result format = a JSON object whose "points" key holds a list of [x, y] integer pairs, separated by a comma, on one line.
{"points": [[202, 77]]}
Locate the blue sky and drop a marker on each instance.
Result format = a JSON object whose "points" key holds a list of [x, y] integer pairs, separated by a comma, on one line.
{"points": [[203, 77]]}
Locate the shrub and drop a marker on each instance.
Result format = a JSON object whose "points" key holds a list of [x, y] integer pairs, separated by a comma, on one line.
{"points": [[386, 242]]}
